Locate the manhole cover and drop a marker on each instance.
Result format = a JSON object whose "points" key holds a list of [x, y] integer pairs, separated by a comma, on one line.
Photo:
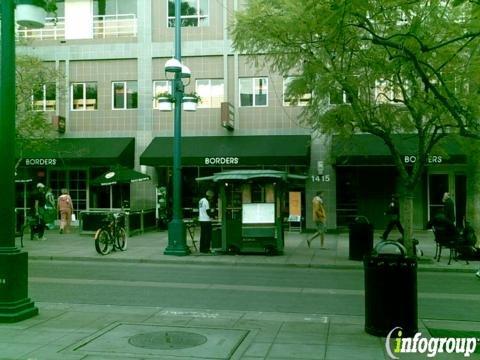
{"points": [[165, 340]]}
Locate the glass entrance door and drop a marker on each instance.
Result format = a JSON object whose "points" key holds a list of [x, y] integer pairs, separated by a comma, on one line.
{"points": [[456, 185], [75, 181], [437, 186]]}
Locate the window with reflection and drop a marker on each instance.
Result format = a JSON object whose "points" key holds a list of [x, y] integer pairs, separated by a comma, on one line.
{"points": [[114, 7], [124, 95], [193, 13], [44, 97], [83, 96], [304, 100], [338, 97], [253, 91], [211, 92]]}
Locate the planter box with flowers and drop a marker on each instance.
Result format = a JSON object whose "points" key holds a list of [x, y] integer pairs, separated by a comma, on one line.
{"points": [[190, 102], [165, 101]]}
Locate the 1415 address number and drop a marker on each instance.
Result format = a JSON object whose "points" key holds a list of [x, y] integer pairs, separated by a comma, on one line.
{"points": [[320, 178]]}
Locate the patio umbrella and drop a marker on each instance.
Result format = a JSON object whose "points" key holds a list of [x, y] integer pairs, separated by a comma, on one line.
{"points": [[119, 175], [23, 178]]}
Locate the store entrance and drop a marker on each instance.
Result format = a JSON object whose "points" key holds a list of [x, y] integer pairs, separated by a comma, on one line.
{"points": [[456, 185], [75, 181]]}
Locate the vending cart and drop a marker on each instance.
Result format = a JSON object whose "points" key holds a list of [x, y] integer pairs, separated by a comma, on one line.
{"points": [[251, 204]]}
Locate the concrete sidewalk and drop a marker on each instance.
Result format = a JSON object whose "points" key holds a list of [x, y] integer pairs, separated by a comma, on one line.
{"points": [[94, 332], [149, 247]]}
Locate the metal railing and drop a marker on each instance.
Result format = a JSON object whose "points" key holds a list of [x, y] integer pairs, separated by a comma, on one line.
{"points": [[54, 29], [104, 26], [121, 25]]}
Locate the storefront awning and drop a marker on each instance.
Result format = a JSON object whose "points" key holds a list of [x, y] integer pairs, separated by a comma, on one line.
{"points": [[231, 151], [77, 152], [366, 149]]}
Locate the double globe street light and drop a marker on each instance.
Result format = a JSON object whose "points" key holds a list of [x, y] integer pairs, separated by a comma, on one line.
{"points": [[177, 244], [15, 305]]}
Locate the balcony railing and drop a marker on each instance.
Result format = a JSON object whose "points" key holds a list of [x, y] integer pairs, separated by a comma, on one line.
{"points": [[54, 30], [104, 26], [107, 26]]}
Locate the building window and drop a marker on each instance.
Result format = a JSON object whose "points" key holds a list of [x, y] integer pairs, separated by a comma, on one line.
{"points": [[159, 87], [211, 92], [253, 91], [114, 18], [386, 91], [338, 97], [44, 98], [114, 7], [124, 95], [303, 101], [194, 13], [83, 96]]}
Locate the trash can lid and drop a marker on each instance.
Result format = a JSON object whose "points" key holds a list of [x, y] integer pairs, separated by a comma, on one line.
{"points": [[390, 248], [360, 219]]}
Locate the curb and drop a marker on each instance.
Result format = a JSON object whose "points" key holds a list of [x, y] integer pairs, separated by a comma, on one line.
{"points": [[175, 261]]}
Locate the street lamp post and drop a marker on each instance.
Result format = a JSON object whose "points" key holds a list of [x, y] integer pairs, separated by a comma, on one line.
{"points": [[15, 305], [177, 244]]}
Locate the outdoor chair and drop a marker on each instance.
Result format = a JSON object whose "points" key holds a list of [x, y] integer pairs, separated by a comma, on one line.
{"points": [[448, 238]]}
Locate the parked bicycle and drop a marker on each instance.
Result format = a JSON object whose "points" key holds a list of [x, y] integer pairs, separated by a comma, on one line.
{"points": [[112, 234]]}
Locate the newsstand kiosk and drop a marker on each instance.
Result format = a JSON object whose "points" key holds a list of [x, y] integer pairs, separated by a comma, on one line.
{"points": [[250, 210]]}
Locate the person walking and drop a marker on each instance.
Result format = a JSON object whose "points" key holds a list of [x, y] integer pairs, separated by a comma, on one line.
{"points": [[38, 213], [448, 207], [393, 213], [65, 207], [50, 208], [319, 216], [204, 217]]}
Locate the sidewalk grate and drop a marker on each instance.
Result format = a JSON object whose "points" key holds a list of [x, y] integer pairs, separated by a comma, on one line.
{"points": [[124, 340], [167, 340]]}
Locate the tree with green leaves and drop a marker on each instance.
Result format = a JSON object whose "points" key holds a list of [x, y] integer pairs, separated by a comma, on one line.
{"points": [[34, 130], [404, 67]]}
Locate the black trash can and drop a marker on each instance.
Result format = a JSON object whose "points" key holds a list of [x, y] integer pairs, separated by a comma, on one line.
{"points": [[360, 238], [390, 291]]}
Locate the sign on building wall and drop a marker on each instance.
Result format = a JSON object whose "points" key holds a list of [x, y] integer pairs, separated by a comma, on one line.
{"points": [[294, 204]]}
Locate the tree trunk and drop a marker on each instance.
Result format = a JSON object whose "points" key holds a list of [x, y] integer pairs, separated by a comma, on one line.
{"points": [[406, 219], [473, 190]]}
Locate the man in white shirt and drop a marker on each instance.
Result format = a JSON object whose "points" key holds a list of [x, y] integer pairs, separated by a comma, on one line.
{"points": [[205, 219]]}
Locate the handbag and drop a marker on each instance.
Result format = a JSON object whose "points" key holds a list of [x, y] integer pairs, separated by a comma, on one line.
{"points": [[74, 218]]}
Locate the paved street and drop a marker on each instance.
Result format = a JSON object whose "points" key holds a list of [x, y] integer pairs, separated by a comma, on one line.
{"points": [[307, 304], [222, 287]]}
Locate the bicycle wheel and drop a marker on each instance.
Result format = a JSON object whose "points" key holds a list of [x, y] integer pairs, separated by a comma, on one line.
{"points": [[121, 239], [103, 244]]}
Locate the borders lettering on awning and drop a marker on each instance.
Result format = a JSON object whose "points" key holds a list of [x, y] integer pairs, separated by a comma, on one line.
{"points": [[246, 150], [39, 162], [367, 149]]}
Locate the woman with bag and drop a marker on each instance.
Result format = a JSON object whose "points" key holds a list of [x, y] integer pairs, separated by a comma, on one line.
{"points": [[65, 206]]}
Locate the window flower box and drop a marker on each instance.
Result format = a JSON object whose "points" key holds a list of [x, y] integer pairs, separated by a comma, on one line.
{"points": [[165, 101], [190, 102]]}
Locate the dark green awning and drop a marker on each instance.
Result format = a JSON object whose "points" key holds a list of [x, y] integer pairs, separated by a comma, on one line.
{"points": [[78, 152], [231, 151], [367, 149]]}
